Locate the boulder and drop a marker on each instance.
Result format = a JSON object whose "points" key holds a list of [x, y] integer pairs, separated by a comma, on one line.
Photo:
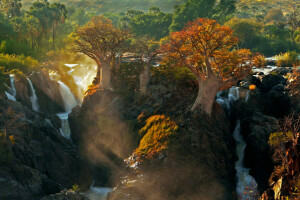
{"points": [[269, 81], [48, 93]]}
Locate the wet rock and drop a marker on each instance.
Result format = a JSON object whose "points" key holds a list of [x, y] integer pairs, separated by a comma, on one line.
{"points": [[44, 161], [269, 81], [66, 195], [48, 93]]}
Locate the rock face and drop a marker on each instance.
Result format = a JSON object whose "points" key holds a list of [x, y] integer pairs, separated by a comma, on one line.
{"points": [[35, 159], [66, 195], [100, 134], [271, 97], [23, 91], [48, 93]]}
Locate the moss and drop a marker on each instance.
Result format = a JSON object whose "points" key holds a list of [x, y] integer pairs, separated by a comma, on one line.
{"points": [[156, 136], [5, 154]]}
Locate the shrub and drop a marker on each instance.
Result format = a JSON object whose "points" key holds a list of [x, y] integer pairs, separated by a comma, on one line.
{"points": [[156, 136], [76, 188], [260, 61], [287, 59], [15, 47], [22, 63], [173, 75]]}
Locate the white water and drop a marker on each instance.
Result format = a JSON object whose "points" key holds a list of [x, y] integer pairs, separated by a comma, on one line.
{"points": [[246, 187], [97, 193], [65, 126], [68, 97], [69, 103], [11, 94], [33, 98]]}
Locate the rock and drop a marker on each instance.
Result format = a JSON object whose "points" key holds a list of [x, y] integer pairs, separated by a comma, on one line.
{"points": [[66, 195], [48, 93], [270, 81], [276, 103], [39, 161], [279, 88], [256, 129], [23, 92]]}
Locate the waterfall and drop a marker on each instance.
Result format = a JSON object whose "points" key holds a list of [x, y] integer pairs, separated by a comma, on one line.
{"points": [[69, 103], [246, 187], [33, 97], [65, 127], [11, 94], [97, 193], [68, 97]]}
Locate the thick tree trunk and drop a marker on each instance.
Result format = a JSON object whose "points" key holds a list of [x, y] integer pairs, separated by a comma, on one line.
{"points": [[145, 79], [206, 94], [105, 75]]}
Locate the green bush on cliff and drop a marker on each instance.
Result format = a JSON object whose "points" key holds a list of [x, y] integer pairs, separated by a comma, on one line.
{"points": [[156, 136], [22, 63], [173, 75]]}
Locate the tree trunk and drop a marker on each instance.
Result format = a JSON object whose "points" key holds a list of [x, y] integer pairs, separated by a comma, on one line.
{"points": [[145, 79], [105, 75], [206, 94]]}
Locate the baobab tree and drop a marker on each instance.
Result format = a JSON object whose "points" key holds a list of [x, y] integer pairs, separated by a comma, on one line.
{"points": [[146, 49], [101, 41], [204, 47]]}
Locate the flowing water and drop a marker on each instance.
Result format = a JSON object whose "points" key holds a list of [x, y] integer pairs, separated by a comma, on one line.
{"points": [[11, 94], [69, 103], [97, 193], [246, 187], [33, 98]]}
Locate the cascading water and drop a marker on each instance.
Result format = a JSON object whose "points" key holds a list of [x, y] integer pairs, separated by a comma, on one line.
{"points": [[97, 193], [33, 97], [11, 94], [69, 103], [246, 187]]}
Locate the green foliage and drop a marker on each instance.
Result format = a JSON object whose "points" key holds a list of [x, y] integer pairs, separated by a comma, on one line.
{"points": [[76, 188], [154, 23], [274, 15], [15, 47], [194, 9], [22, 63], [278, 138], [156, 135], [179, 76], [287, 59]]}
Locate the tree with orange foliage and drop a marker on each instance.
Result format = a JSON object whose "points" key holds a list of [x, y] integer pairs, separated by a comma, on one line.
{"points": [[101, 41], [205, 47]]}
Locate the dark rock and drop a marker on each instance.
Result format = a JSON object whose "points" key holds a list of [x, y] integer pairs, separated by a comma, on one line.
{"points": [[276, 103], [48, 93], [66, 195], [46, 161], [269, 81], [279, 88]]}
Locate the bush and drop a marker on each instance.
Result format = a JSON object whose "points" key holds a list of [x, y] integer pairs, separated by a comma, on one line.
{"points": [[180, 76], [156, 136], [22, 63], [15, 47], [288, 59]]}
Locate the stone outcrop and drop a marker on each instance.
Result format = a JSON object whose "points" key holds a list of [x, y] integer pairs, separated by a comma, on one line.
{"points": [[35, 160], [48, 93]]}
